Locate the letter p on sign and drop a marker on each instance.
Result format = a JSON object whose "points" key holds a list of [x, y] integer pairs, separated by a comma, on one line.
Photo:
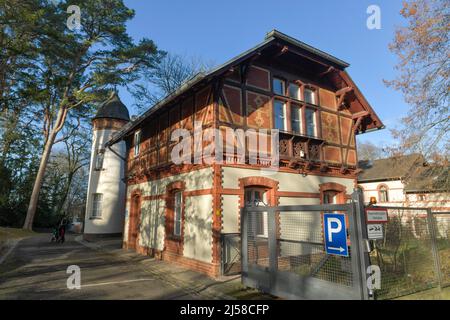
{"points": [[336, 229]]}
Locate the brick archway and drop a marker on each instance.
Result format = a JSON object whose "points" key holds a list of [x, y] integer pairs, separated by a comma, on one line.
{"points": [[341, 191], [270, 184]]}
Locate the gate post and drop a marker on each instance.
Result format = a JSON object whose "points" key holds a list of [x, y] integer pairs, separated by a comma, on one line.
{"points": [[272, 244], [434, 248], [244, 242], [363, 238]]}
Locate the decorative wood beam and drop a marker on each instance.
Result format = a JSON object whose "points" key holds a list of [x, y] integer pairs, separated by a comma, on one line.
{"points": [[330, 69], [283, 50], [342, 93], [246, 66], [358, 122], [360, 114]]}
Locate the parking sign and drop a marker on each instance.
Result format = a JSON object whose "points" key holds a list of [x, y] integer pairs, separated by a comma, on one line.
{"points": [[335, 233]]}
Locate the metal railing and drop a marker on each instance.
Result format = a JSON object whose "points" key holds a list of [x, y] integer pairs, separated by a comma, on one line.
{"points": [[231, 254]]}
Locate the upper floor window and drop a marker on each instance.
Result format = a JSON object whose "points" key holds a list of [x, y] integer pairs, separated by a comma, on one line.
{"points": [[421, 197], [310, 96], [294, 91], [278, 86], [311, 123], [280, 115], [137, 142], [97, 205], [296, 119], [177, 208], [383, 195]]}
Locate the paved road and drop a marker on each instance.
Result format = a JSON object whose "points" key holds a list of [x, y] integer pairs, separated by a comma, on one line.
{"points": [[36, 269]]}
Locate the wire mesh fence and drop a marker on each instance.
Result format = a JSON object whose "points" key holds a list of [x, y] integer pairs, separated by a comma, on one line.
{"points": [[407, 253], [442, 234], [284, 253], [301, 249]]}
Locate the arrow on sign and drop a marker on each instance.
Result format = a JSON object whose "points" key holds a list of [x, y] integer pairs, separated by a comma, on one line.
{"points": [[340, 249]]}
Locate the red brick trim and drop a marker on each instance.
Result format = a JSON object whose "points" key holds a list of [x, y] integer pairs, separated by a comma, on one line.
{"points": [[273, 198], [193, 193], [108, 124], [333, 186], [210, 269], [217, 215]]}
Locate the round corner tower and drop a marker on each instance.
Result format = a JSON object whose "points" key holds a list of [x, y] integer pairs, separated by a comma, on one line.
{"points": [[105, 206]]}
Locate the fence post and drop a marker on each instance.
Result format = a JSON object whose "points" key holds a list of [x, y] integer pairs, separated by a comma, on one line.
{"points": [[273, 261], [244, 242], [434, 248], [362, 236]]}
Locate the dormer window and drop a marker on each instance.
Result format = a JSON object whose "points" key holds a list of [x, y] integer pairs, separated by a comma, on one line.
{"points": [[137, 142], [278, 87]]}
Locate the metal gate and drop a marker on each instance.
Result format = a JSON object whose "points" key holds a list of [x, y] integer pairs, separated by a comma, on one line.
{"points": [[283, 252]]}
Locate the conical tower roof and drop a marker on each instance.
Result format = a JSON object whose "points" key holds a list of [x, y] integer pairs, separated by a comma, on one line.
{"points": [[113, 108]]}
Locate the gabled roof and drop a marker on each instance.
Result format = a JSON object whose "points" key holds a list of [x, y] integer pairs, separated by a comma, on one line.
{"points": [[394, 168], [429, 179], [272, 37]]}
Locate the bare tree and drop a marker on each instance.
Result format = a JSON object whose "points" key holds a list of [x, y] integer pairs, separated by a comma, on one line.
{"points": [[423, 50], [370, 151], [168, 76]]}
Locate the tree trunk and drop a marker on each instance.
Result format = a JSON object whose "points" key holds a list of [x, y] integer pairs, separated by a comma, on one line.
{"points": [[32, 206]]}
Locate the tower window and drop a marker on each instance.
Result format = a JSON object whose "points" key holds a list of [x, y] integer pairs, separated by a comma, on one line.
{"points": [[99, 159], [97, 205], [137, 142]]}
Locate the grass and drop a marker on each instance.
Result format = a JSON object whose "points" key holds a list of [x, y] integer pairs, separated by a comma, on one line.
{"points": [[13, 233], [432, 294]]}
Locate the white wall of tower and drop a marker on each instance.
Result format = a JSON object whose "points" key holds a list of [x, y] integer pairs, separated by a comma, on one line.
{"points": [[108, 182]]}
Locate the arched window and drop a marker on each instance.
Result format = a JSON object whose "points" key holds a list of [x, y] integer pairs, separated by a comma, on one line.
{"points": [[383, 193]]}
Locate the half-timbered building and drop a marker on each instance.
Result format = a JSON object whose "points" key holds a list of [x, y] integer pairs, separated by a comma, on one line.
{"points": [[178, 212]]}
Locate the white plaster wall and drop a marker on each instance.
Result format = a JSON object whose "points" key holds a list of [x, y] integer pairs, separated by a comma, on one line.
{"points": [[395, 192], [152, 229], [198, 214], [198, 228], [287, 181], [230, 213], [108, 182]]}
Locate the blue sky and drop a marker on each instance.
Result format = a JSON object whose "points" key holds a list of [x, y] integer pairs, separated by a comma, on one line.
{"points": [[219, 30]]}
